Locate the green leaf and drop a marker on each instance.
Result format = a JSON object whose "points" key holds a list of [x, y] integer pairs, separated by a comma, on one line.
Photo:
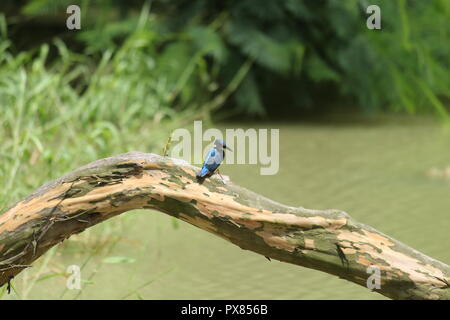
{"points": [[118, 259], [208, 41], [248, 97], [273, 54]]}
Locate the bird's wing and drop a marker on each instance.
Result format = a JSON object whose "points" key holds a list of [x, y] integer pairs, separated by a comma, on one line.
{"points": [[212, 162], [209, 157]]}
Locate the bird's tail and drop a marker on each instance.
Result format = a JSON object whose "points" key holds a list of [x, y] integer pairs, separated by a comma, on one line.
{"points": [[202, 173]]}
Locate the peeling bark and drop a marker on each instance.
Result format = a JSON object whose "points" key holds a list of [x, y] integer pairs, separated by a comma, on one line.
{"points": [[326, 240]]}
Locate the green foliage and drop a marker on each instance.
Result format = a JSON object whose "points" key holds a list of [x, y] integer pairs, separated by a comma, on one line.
{"points": [[404, 66], [199, 45], [406, 63]]}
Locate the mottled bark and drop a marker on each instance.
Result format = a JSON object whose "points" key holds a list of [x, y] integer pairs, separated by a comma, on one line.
{"points": [[325, 240]]}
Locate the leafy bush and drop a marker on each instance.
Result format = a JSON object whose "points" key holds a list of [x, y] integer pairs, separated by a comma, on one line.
{"points": [[404, 66], [297, 49]]}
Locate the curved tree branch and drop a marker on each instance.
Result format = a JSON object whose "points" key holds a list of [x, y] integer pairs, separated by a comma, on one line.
{"points": [[329, 240]]}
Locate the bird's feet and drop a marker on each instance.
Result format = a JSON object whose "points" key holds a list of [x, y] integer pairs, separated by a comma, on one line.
{"points": [[223, 180]]}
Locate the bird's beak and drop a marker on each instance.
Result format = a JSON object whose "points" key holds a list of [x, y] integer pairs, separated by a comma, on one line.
{"points": [[228, 148]]}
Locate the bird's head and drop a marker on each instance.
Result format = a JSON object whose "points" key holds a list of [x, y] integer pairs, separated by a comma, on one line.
{"points": [[220, 144]]}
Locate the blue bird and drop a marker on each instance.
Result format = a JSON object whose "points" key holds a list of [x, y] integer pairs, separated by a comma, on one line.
{"points": [[213, 159]]}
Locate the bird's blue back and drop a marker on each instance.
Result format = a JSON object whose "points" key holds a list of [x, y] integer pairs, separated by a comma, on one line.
{"points": [[212, 162]]}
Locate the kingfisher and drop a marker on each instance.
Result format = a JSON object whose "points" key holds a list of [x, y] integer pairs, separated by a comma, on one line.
{"points": [[213, 159]]}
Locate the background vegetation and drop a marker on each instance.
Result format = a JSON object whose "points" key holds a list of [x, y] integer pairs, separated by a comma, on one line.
{"points": [[299, 49], [138, 69]]}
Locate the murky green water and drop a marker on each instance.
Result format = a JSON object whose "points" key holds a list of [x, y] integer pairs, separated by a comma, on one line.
{"points": [[375, 170]]}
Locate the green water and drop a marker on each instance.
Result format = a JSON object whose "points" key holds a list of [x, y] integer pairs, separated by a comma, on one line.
{"points": [[373, 169]]}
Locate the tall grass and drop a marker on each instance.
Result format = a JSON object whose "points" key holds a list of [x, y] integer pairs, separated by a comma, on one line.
{"points": [[57, 115]]}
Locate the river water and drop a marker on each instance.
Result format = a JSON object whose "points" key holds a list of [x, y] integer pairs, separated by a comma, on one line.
{"points": [[375, 170]]}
